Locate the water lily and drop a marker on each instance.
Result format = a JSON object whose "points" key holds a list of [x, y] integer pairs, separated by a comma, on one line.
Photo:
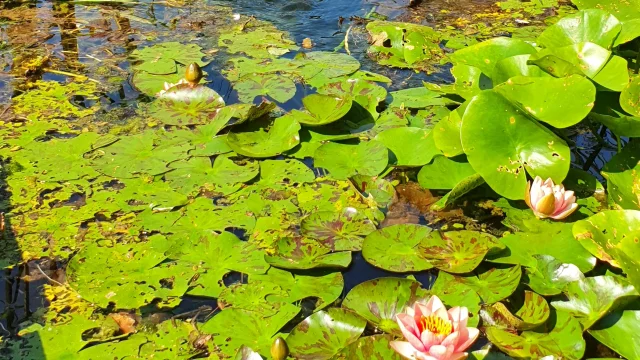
{"points": [[548, 200], [433, 333]]}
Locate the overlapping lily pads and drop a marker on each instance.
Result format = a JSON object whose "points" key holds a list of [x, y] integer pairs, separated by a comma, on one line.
{"points": [[343, 161]]}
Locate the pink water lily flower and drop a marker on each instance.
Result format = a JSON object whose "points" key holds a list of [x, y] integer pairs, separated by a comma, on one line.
{"points": [[433, 333], [548, 200]]}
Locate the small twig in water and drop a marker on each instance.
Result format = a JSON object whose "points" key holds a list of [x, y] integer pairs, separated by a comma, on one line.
{"points": [[346, 39], [48, 278]]}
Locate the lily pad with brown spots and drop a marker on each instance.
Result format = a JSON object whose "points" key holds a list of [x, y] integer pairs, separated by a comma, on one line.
{"points": [[301, 253], [397, 248], [184, 105], [457, 251], [338, 230]]}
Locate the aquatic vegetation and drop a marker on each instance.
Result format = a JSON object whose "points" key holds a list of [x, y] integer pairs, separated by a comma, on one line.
{"points": [[549, 200], [214, 190], [432, 331]]}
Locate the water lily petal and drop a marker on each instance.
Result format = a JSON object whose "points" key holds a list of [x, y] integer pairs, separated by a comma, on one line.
{"points": [[410, 335], [429, 339], [403, 348], [566, 213], [441, 352], [407, 323], [459, 316], [473, 335], [452, 339]]}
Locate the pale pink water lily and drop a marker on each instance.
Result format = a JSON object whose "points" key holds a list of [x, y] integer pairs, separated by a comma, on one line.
{"points": [[548, 200], [433, 333]]}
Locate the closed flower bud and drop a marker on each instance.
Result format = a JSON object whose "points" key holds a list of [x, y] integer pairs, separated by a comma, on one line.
{"points": [[279, 349], [193, 74]]}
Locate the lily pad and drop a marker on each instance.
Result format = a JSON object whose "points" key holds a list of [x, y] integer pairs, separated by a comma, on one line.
{"points": [[326, 287], [184, 105], [446, 133], [563, 340], [198, 174], [620, 331], [323, 334], [343, 161], [590, 299], [338, 230], [494, 284], [515, 66], [403, 45], [534, 312], [322, 109], [524, 144], [138, 154], [431, 175], [282, 136], [630, 97], [162, 58], [463, 187], [302, 254], [277, 87], [380, 300], [550, 276], [263, 42], [591, 25], [623, 180], [366, 93], [369, 347], [418, 98], [396, 248], [628, 12], [287, 171], [410, 146], [457, 251], [237, 328], [453, 293], [485, 55]]}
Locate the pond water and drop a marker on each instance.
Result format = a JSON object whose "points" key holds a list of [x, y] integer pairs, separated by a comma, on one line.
{"points": [[182, 221]]}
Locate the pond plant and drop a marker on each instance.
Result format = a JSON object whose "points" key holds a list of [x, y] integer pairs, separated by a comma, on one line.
{"points": [[258, 199]]}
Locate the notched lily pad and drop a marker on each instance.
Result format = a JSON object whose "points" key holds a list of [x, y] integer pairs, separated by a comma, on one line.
{"points": [[282, 136], [338, 230]]}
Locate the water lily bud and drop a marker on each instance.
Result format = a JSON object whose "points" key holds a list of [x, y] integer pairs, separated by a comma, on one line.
{"points": [[193, 74], [548, 200], [279, 349]]}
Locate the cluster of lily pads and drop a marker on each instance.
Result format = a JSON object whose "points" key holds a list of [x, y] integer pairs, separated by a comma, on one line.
{"points": [[262, 210]]}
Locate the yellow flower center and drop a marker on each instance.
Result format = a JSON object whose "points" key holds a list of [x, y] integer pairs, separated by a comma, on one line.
{"points": [[436, 325]]}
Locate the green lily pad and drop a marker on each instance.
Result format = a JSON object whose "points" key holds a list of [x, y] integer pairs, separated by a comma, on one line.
{"points": [[366, 93], [382, 191], [338, 230], [411, 146], [162, 58], [453, 293], [590, 299], [591, 25], [469, 81], [494, 284], [322, 109], [550, 276], [418, 98], [287, 171], [213, 257], [184, 105], [138, 154], [343, 161], [630, 97], [534, 312], [369, 347], [602, 233], [302, 254], [129, 275], [446, 133], [282, 136], [537, 96], [380, 300], [485, 55], [623, 181], [322, 66], [49, 100], [457, 251], [396, 248], [403, 45], [255, 296], [277, 87], [620, 331], [564, 340], [263, 42], [628, 12], [323, 334], [327, 288], [152, 84], [237, 328], [198, 174], [515, 66], [523, 144], [463, 187], [430, 176]]}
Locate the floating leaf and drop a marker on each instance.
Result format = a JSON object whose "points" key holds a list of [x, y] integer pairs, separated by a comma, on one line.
{"points": [[369, 347], [620, 331], [162, 58], [279, 88], [380, 300], [403, 44], [515, 66], [396, 248], [237, 328], [418, 98], [550, 276], [322, 109], [457, 251], [431, 175], [463, 187], [495, 284], [410, 146], [564, 340], [623, 180], [343, 161], [446, 133], [198, 174], [287, 171], [302, 254], [485, 55], [366, 93], [534, 312], [282, 136], [184, 105], [592, 25], [338, 230], [264, 41], [592, 298], [524, 144], [323, 334], [453, 293]]}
